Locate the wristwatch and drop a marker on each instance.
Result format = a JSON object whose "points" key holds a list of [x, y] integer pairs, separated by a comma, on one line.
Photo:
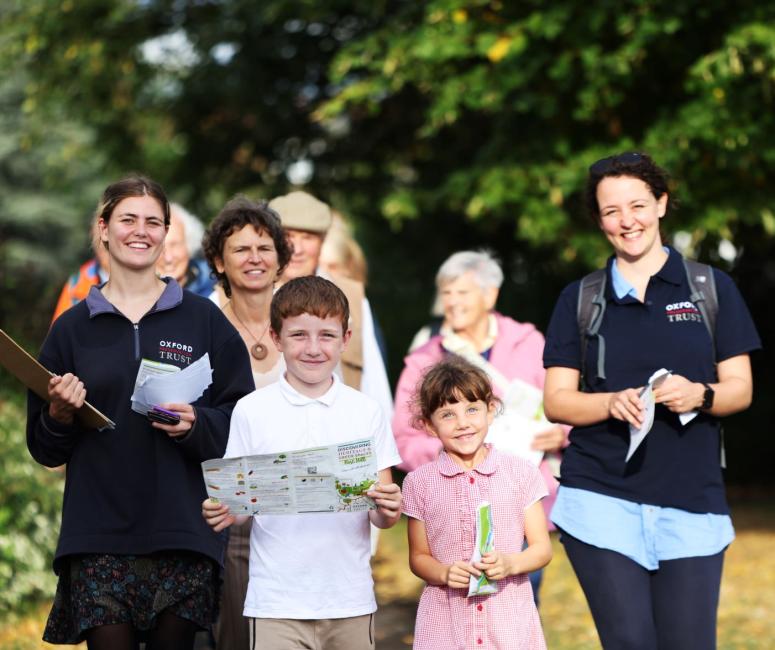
{"points": [[707, 398]]}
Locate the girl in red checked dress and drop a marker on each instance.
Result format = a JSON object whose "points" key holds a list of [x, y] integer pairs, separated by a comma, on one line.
{"points": [[455, 403]]}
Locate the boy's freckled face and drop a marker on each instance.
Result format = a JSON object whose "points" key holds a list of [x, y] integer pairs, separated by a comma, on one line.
{"points": [[311, 347]]}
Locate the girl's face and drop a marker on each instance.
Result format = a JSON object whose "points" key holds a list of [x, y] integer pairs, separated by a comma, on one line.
{"points": [[135, 232], [629, 216], [462, 427], [249, 259]]}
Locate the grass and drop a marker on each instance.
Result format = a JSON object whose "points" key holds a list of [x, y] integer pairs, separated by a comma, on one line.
{"points": [[746, 614]]}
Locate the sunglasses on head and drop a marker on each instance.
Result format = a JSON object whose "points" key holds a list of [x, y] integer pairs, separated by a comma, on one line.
{"points": [[605, 165]]}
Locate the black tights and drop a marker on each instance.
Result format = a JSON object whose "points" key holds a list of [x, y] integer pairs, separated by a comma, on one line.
{"points": [[171, 633]]}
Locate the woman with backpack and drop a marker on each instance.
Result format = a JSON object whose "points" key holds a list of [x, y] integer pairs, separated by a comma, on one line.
{"points": [[646, 527]]}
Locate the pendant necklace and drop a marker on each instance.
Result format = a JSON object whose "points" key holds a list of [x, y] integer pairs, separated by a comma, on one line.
{"points": [[258, 350]]}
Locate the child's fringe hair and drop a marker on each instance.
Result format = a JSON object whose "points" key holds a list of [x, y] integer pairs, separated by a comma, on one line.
{"points": [[452, 380]]}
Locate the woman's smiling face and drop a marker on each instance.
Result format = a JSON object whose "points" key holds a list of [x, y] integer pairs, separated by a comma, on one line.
{"points": [[135, 232], [629, 216]]}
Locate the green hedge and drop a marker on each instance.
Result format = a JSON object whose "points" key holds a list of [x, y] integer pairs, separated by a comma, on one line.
{"points": [[29, 515]]}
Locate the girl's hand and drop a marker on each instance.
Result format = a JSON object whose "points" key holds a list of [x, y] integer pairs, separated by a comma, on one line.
{"points": [[549, 439], [679, 394], [66, 394], [187, 418], [215, 514], [459, 574], [495, 565], [626, 406]]}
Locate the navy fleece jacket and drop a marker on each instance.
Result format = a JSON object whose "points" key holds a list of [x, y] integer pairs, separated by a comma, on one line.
{"points": [[134, 490]]}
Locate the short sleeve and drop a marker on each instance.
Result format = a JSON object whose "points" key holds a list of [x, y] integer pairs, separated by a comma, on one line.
{"points": [[563, 345], [412, 505], [239, 433], [533, 487], [735, 330], [385, 443]]}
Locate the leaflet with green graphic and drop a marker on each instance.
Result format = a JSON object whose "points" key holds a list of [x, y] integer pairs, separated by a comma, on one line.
{"points": [[485, 543], [334, 478]]}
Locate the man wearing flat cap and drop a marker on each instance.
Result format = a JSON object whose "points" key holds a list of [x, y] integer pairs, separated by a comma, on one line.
{"points": [[307, 220]]}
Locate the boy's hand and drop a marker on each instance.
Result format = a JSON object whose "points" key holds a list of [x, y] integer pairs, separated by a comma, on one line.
{"points": [[216, 515], [388, 499], [459, 574], [495, 565]]}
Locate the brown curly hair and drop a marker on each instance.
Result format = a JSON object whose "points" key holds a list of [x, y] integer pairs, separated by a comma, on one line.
{"points": [[635, 165], [235, 215]]}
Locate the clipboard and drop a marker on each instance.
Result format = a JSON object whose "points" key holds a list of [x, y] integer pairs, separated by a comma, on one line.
{"points": [[35, 377]]}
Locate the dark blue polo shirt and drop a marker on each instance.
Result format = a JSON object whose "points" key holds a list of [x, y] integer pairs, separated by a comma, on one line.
{"points": [[676, 466]]}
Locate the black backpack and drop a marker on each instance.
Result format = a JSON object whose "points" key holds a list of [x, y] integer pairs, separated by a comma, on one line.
{"points": [[592, 303]]}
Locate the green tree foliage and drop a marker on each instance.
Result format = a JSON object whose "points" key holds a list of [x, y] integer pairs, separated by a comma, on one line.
{"points": [[29, 517], [495, 110], [437, 125], [210, 97], [49, 175]]}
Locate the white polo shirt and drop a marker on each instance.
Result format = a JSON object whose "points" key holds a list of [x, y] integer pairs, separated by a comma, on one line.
{"points": [[309, 566]]}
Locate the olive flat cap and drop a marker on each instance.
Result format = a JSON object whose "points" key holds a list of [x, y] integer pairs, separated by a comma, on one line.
{"points": [[301, 211]]}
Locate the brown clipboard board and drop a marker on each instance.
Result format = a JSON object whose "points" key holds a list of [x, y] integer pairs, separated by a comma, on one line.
{"points": [[35, 377]]}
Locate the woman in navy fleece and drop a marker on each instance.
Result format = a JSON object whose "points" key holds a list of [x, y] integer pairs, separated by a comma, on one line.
{"points": [[135, 560]]}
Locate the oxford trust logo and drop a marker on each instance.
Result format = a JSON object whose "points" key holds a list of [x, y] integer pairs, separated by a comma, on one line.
{"points": [[175, 351], [677, 312]]}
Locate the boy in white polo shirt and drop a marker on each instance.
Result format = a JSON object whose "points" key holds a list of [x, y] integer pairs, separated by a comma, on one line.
{"points": [[310, 578]]}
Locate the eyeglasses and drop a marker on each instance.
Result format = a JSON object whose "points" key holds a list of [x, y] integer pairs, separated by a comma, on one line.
{"points": [[605, 165]]}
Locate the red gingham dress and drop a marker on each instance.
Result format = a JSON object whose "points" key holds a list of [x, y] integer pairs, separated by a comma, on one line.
{"points": [[445, 497]]}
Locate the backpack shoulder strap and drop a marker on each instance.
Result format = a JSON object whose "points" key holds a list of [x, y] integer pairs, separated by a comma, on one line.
{"points": [[589, 316], [702, 285]]}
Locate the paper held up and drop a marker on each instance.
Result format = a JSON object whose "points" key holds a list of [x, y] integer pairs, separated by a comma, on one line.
{"points": [[638, 434], [514, 430], [334, 478], [163, 383], [35, 377]]}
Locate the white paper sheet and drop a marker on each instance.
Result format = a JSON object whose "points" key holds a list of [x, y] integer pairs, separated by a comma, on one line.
{"points": [[523, 417], [638, 434], [161, 383]]}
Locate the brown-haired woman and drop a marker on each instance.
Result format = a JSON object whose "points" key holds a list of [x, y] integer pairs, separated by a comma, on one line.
{"points": [[135, 560], [646, 529], [247, 250]]}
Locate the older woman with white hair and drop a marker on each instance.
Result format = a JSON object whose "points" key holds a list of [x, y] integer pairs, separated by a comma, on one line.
{"points": [[468, 283]]}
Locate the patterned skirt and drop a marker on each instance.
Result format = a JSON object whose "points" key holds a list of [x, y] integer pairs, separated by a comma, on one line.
{"points": [[101, 589]]}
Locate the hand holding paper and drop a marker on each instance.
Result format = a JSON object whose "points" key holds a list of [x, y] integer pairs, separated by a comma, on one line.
{"points": [[388, 500], [679, 395], [217, 515], [187, 417], [158, 384], [663, 387], [484, 544], [639, 433]]}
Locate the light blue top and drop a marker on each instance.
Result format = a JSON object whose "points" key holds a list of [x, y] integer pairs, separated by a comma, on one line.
{"points": [[644, 533]]}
